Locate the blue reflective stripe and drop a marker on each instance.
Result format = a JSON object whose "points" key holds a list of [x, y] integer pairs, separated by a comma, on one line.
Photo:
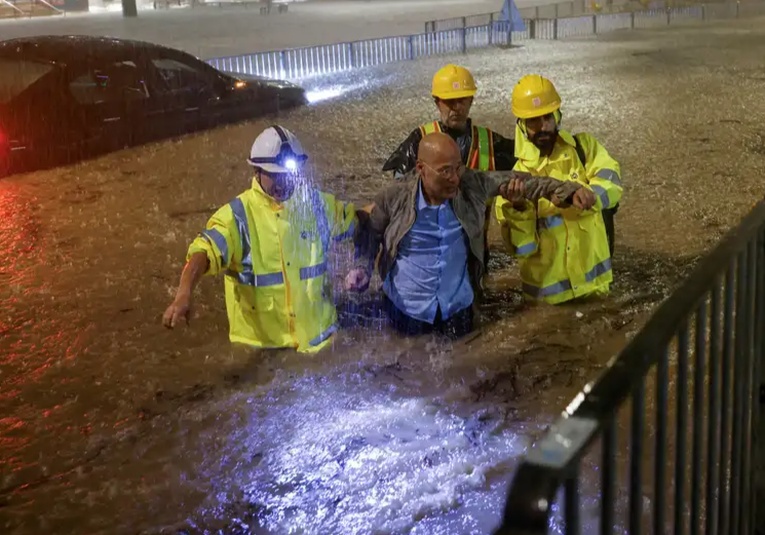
{"points": [[600, 192], [562, 286], [323, 336], [347, 234], [553, 289], [215, 237], [599, 269], [610, 175], [250, 279], [550, 221], [322, 223], [240, 216], [313, 271], [526, 249]]}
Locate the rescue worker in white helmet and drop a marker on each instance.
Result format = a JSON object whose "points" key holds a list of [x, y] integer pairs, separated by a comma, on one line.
{"points": [[453, 89], [564, 249], [271, 244]]}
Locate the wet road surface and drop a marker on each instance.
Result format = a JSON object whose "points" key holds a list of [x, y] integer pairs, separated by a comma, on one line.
{"points": [[111, 424]]}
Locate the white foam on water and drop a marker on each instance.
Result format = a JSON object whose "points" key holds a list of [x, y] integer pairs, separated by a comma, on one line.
{"points": [[381, 465]]}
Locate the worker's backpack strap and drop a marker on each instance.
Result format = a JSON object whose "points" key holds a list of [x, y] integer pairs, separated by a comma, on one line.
{"points": [[322, 223], [580, 151]]}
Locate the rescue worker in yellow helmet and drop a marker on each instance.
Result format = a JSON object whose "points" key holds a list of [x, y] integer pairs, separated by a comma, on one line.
{"points": [[271, 244], [453, 90], [563, 248]]}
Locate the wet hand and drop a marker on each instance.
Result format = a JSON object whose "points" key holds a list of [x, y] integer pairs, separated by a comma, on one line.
{"points": [[179, 310], [357, 280], [584, 199], [514, 190]]}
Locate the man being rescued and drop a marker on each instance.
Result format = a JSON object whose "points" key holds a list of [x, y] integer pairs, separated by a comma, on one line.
{"points": [[427, 229], [453, 90], [271, 245]]}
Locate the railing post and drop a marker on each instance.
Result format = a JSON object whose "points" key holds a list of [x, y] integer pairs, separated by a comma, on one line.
{"points": [[594, 24], [491, 28], [555, 29], [464, 39], [283, 64], [632, 20], [410, 47], [351, 58], [533, 29], [703, 12], [669, 16]]}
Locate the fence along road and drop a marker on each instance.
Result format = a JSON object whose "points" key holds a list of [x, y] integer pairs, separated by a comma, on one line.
{"points": [[710, 337], [299, 63]]}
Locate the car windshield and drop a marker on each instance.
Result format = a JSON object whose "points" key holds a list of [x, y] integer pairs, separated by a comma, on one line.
{"points": [[18, 74]]}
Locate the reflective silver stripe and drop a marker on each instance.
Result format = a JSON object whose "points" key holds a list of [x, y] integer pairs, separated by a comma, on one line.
{"points": [[250, 279], [240, 216], [347, 234], [323, 336], [599, 269], [215, 237], [610, 175], [322, 222], [550, 221], [600, 192], [553, 289], [526, 249], [313, 271]]}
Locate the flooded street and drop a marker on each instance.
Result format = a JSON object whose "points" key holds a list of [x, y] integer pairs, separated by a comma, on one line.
{"points": [[110, 424]]}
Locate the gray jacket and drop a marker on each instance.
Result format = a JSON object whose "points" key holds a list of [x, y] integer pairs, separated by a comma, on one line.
{"points": [[394, 213]]}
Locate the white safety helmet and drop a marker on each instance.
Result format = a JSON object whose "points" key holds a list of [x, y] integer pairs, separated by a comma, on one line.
{"points": [[277, 150]]}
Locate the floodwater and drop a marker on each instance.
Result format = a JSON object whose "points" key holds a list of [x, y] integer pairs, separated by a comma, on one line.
{"points": [[111, 424]]}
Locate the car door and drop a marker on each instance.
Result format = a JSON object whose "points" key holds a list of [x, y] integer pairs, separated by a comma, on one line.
{"points": [[189, 91], [112, 98]]}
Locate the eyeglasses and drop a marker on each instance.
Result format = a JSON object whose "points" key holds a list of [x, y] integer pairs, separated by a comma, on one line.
{"points": [[447, 172]]}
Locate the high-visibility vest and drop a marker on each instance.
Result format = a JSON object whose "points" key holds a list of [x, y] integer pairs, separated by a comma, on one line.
{"points": [[274, 258], [481, 154]]}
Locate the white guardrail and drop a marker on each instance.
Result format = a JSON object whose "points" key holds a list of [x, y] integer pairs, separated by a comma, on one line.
{"points": [[298, 63]]}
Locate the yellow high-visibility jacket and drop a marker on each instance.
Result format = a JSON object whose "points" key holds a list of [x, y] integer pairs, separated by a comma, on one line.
{"points": [[563, 252], [274, 257]]}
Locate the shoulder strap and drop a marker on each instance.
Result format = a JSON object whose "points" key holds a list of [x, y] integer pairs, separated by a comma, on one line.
{"points": [[580, 151]]}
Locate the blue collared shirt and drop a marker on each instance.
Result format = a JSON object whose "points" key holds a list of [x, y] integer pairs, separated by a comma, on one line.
{"points": [[431, 265]]}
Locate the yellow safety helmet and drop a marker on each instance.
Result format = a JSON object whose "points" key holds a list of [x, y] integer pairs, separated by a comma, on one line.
{"points": [[453, 81], [534, 96]]}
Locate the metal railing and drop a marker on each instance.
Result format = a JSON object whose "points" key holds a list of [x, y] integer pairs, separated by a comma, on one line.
{"points": [[573, 8], [706, 346], [297, 63]]}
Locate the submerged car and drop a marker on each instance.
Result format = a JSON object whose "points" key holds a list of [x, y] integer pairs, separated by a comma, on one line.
{"points": [[64, 98]]}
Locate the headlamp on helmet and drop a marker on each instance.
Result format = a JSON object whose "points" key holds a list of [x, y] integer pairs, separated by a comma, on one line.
{"points": [[285, 161]]}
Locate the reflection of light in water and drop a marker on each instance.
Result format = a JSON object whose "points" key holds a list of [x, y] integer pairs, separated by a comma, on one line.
{"points": [[325, 93], [335, 463]]}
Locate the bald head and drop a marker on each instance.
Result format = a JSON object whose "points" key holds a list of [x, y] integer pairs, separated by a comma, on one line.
{"points": [[438, 146], [440, 167]]}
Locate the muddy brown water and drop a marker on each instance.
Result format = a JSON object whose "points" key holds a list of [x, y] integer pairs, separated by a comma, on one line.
{"points": [[111, 424]]}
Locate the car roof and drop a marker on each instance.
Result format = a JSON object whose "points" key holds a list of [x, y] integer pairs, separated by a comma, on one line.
{"points": [[74, 48]]}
